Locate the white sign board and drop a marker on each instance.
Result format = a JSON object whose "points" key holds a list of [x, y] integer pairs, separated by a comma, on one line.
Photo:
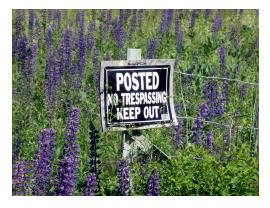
{"points": [[137, 96]]}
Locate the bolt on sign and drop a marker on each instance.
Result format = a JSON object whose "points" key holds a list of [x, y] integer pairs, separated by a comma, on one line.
{"points": [[137, 95]]}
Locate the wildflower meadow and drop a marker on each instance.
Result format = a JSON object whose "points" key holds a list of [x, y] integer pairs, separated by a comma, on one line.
{"points": [[59, 147]]}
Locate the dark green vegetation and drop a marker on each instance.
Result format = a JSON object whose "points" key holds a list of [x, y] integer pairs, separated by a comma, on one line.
{"points": [[230, 168]]}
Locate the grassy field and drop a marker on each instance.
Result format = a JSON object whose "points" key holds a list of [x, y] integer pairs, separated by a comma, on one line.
{"points": [[56, 64]]}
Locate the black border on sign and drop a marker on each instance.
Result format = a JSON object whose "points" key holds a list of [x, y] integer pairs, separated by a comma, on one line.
{"points": [[142, 122]]}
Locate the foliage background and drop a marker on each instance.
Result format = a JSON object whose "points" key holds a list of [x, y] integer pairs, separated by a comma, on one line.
{"points": [[192, 169]]}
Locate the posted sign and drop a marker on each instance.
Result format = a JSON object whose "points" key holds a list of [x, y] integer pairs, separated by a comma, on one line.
{"points": [[137, 96]]}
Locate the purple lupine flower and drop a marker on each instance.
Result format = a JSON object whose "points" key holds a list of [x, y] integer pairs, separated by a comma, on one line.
{"points": [[57, 17], [222, 57], [94, 156], [193, 17], [16, 148], [109, 16], [204, 110], [197, 130], [104, 32], [91, 36], [44, 162], [52, 70], [153, 184], [72, 124], [213, 99], [166, 20], [179, 34], [242, 91], [91, 185], [66, 50], [209, 141], [19, 23], [217, 24], [22, 50], [132, 24], [21, 171], [123, 178], [119, 34], [68, 167], [207, 14], [122, 16], [32, 19], [151, 50], [48, 37], [68, 171], [81, 47]]}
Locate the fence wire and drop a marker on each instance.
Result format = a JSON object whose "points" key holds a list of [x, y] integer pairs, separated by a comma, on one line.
{"points": [[228, 126]]}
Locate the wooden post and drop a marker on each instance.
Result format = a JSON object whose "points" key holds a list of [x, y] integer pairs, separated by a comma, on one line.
{"points": [[133, 55]]}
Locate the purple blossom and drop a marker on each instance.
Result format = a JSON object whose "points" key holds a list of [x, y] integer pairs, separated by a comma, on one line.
{"points": [[123, 178], [72, 124], [213, 99], [179, 34], [132, 25], [94, 156], [209, 141], [122, 16], [44, 161], [32, 19], [52, 70], [217, 24], [207, 14], [197, 130], [91, 185], [20, 16], [242, 91], [204, 111], [66, 51], [16, 148], [222, 57], [81, 47], [68, 167], [153, 184], [57, 17], [91, 36], [166, 20], [48, 37], [119, 34], [151, 50], [192, 21], [22, 51], [21, 171], [109, 16]]}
